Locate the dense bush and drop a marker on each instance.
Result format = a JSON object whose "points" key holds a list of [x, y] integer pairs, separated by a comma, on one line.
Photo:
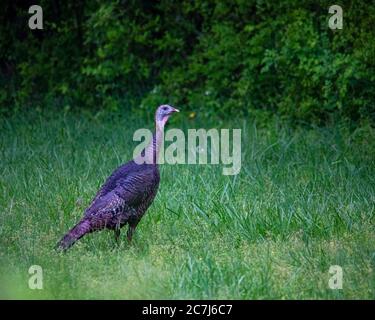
{"points": [[221, 57]]}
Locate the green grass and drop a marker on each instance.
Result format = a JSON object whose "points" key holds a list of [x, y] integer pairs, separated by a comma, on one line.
{"points": [[303, 201]]}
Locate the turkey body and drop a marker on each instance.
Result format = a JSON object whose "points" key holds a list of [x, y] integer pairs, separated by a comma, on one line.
{"points": [[123, 199], [126, 194]]}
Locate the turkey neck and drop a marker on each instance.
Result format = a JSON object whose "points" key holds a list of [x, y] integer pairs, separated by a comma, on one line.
{"points": [[153, 148]]}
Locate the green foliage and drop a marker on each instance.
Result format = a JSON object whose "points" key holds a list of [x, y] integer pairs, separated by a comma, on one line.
{"points": [[219, 57]]}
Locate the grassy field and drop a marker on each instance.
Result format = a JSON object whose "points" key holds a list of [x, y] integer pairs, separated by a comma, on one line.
{"points": [[303, 201]]}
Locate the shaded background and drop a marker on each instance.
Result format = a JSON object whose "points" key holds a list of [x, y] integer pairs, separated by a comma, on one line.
{"points": [[241, 57]]}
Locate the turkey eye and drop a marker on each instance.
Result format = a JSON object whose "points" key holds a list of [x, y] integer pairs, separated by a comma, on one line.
{"points": [[165, 108]]}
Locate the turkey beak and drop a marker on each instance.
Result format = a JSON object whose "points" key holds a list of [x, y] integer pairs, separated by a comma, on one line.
{"points": [[175, 110]]}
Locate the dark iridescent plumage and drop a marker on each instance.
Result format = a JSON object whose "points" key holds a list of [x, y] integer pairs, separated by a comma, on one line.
{"points": [[125, 196]]}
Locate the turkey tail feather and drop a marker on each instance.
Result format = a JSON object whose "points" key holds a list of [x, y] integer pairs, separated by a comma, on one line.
{"points": [[77, 232]]}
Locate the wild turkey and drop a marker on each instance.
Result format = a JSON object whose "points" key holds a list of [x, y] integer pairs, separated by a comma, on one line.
{"points": [[127, 193]]}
